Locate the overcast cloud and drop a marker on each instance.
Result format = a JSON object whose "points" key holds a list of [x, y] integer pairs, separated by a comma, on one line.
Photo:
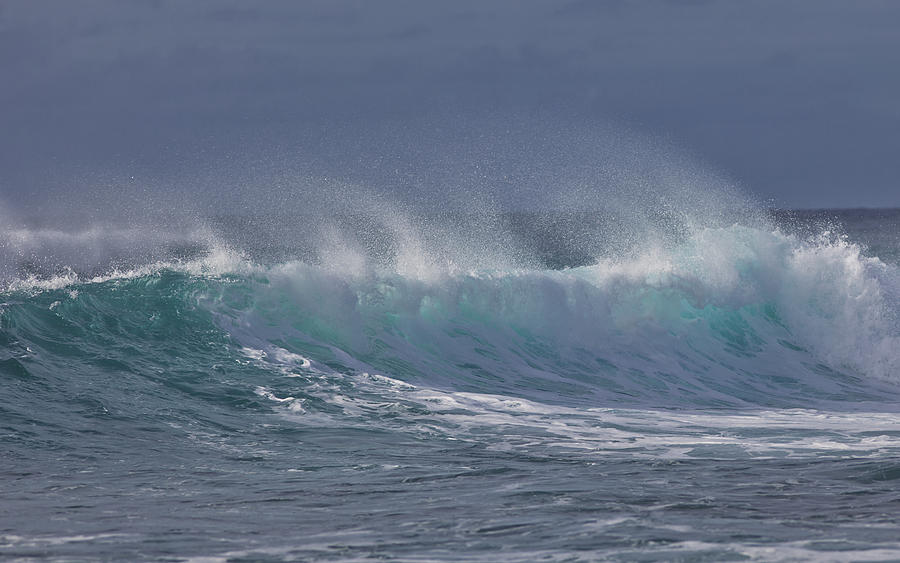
{"points": [[797, 101]]}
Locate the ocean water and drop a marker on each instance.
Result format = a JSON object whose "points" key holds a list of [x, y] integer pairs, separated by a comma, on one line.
{"points": [[558, 386]]}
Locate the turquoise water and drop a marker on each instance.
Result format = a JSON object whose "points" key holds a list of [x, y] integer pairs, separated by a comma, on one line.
{"points": [[728, 393]]}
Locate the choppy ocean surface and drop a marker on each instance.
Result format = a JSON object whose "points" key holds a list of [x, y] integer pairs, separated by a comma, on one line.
{"points": [[696, 391]]}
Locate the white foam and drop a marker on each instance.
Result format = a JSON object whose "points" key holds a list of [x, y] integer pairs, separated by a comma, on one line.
{"points": [[217, 262], [597, 432]]}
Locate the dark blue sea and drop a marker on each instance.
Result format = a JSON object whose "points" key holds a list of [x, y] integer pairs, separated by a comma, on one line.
{"points": [[516, 386]]}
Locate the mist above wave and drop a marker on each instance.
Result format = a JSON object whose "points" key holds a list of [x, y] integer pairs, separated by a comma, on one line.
{"points": [[465, 194]]}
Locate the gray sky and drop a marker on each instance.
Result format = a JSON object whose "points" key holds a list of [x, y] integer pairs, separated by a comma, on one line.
{"points": [[796, 101]]}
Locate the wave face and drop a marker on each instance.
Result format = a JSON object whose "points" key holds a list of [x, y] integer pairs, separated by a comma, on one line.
{"points": [[730, 316]]}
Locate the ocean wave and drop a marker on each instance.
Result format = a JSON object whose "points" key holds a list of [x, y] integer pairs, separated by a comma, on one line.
{"points": [[729, 316]]}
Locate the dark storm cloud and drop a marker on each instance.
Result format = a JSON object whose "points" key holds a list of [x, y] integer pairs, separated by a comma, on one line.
{"points": [[796, 100]]}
